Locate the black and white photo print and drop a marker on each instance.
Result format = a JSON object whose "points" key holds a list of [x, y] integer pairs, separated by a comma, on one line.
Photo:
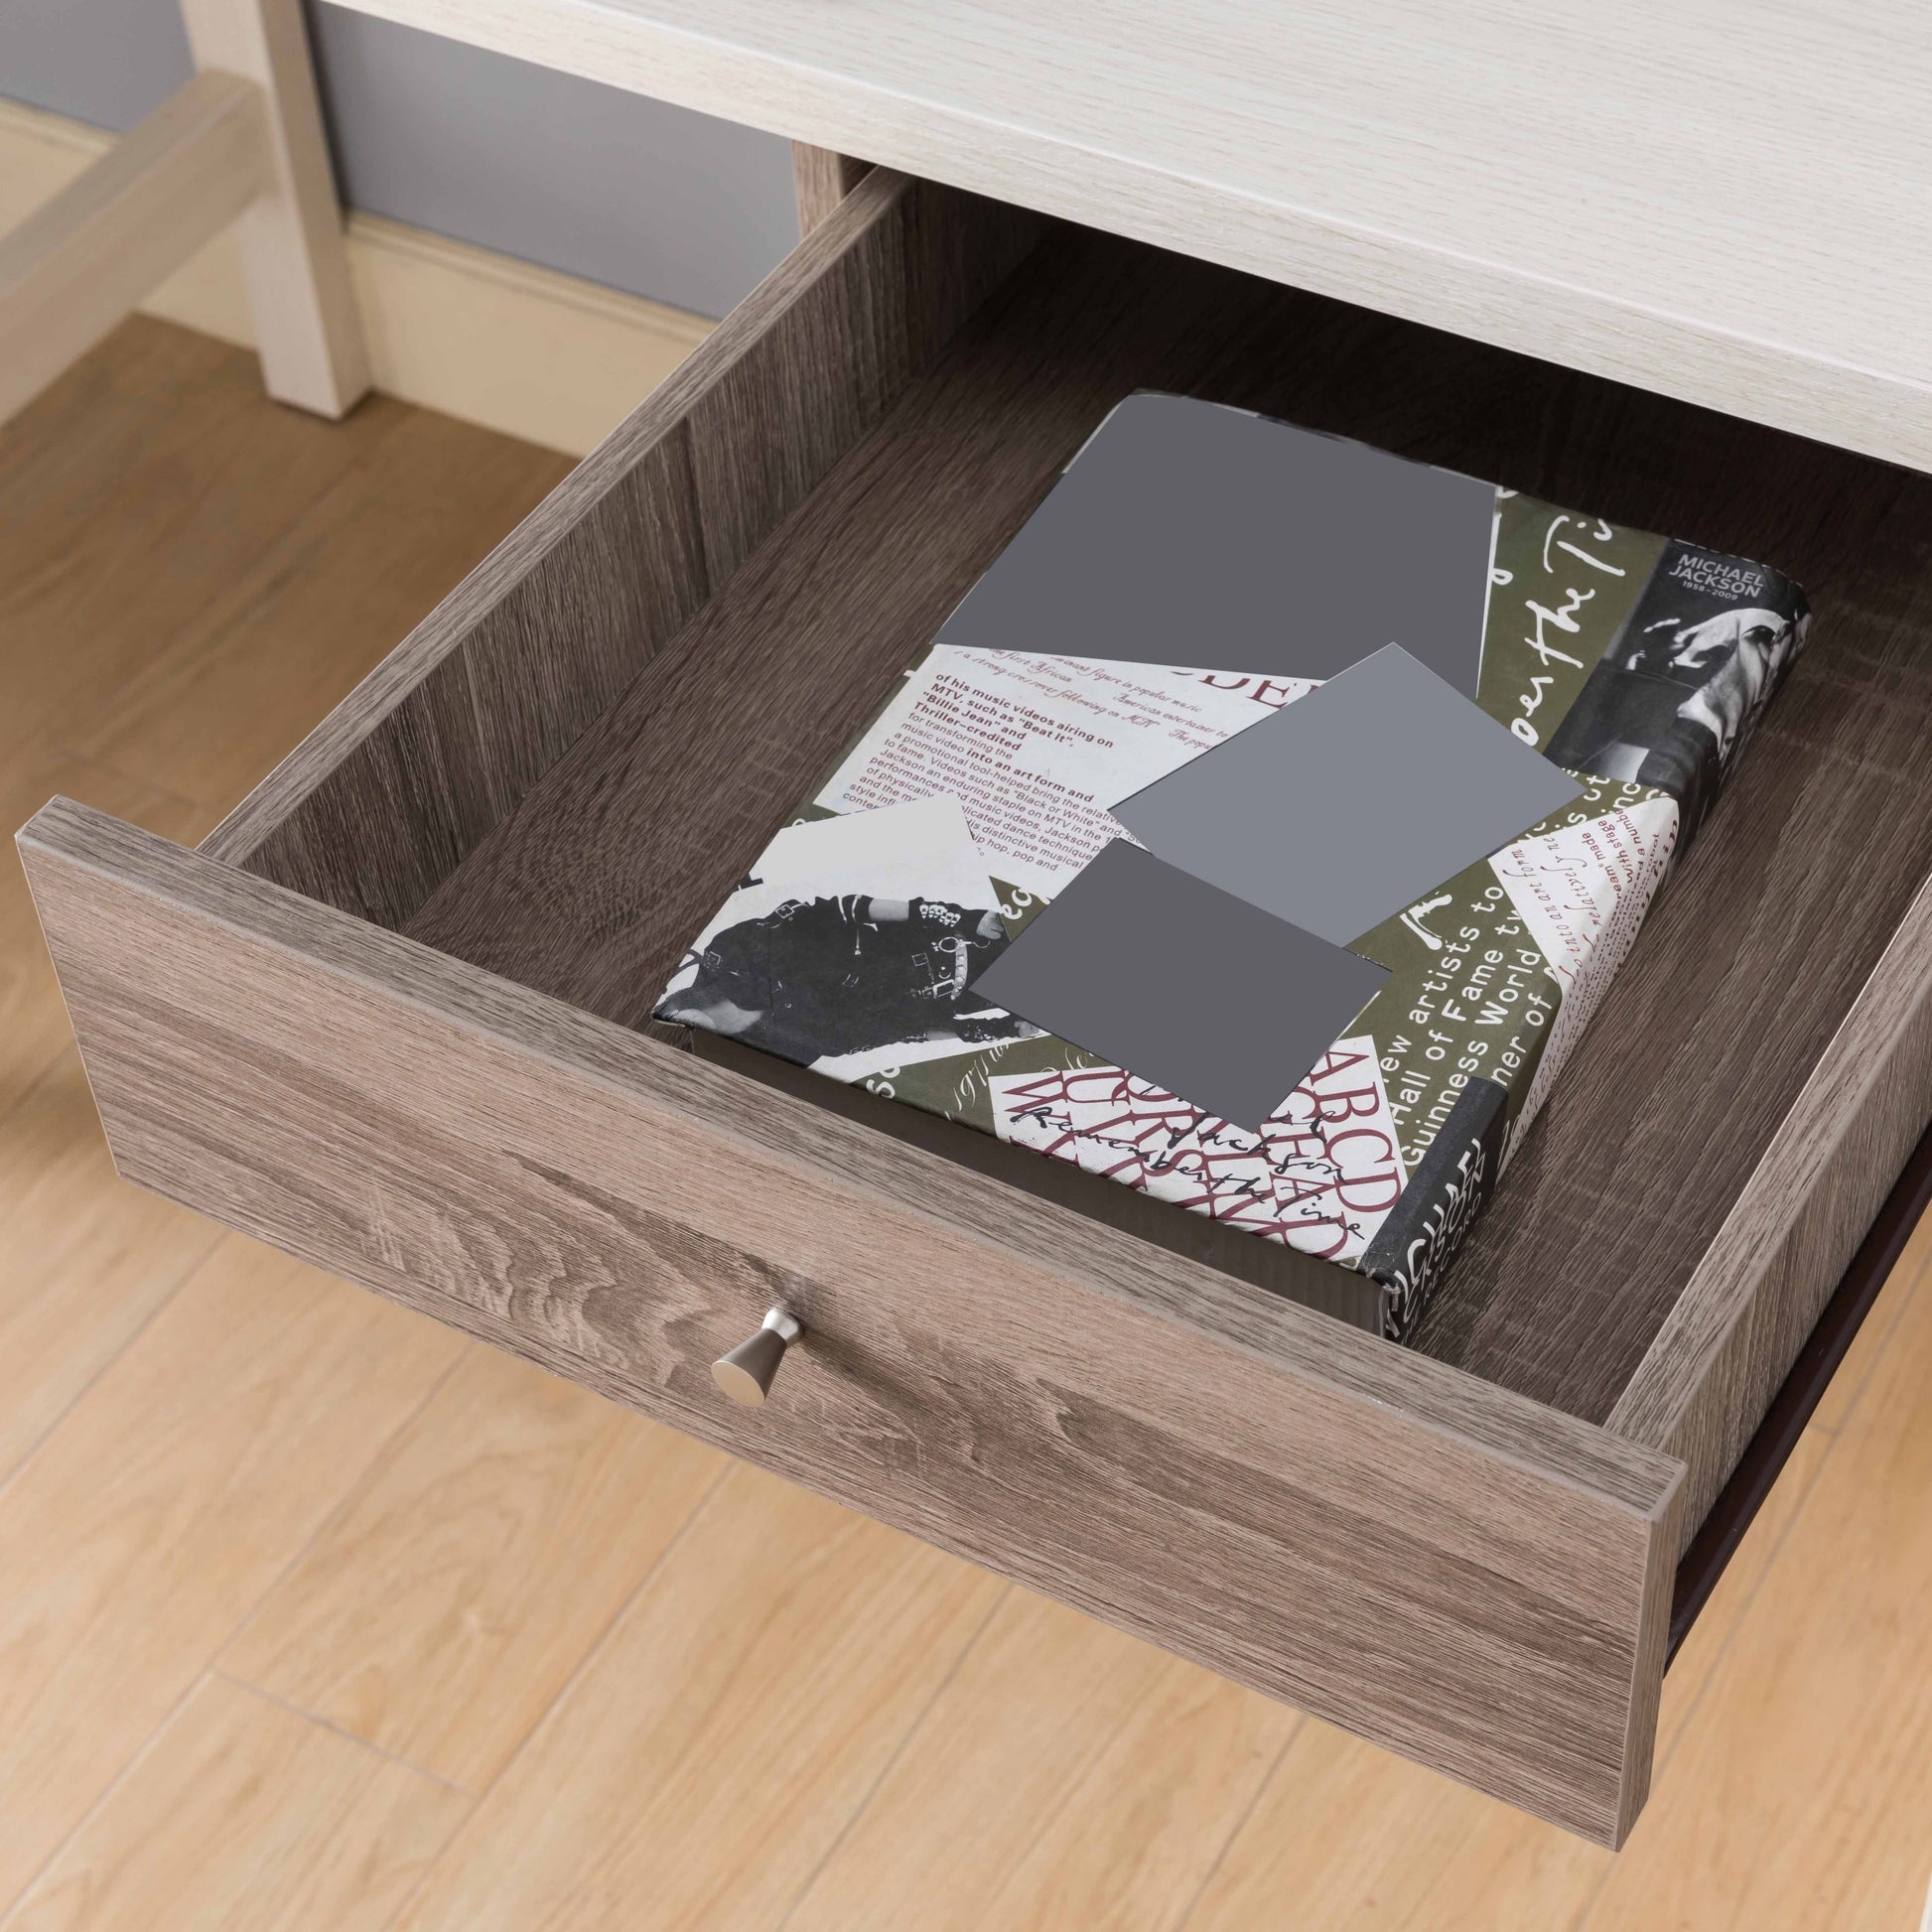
{"points": [[1678, 692], [851, 947]]}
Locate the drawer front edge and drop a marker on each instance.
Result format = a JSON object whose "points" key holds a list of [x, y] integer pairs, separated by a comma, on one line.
{"points": [[1706, 1382]]}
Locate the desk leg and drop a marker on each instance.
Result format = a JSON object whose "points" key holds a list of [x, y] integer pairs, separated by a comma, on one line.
{"points": [[291, 236], [81, 260], [821, 180]]}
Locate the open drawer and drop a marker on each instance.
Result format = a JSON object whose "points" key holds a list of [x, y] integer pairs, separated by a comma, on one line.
{"points": [[392, 1015]]}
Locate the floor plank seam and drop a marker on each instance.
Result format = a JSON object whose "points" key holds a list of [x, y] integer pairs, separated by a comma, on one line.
{"points": [[342, 1731], [595, 1649], [162, 646], [378, 1461], [1048, 1819], [563, 1690], [11, 1475], [893, 1757], [101, 1799], [1239, 1826]]}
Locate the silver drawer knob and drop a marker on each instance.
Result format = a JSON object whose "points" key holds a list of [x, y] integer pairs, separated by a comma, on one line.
{"points": [[746, 1373]]}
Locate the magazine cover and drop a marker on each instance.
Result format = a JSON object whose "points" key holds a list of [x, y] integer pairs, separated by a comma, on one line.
{"points": [[983, 785]]}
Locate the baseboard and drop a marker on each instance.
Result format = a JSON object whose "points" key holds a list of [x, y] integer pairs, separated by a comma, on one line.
{"points": [[479, 336]]}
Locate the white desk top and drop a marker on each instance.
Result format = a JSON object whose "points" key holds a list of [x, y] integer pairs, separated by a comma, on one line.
{"points": [[1726, 199]]}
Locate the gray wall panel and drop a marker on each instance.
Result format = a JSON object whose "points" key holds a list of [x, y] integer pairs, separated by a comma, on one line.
{"points": [[626, 190], [108, 62], [584, 177]]}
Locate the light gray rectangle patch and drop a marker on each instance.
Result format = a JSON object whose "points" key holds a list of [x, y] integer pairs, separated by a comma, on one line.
{"points": [[1341, 809]]}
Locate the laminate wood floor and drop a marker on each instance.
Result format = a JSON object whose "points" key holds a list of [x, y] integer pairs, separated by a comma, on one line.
{"points": [[314, 1616]]}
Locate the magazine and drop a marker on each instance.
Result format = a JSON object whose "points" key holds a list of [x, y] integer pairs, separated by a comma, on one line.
{"points": [[982, 786], [851, 947]]}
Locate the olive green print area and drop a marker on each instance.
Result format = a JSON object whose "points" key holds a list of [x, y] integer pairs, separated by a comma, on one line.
{"points": [[1469, 995], [1560, 588]]}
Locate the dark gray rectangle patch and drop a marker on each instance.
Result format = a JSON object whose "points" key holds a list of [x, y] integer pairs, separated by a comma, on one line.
{"points": [[1182, 984], [1190, 533]]}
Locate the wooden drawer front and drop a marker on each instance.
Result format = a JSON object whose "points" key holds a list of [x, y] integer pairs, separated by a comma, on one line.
{"points": [[1455, 1571]]}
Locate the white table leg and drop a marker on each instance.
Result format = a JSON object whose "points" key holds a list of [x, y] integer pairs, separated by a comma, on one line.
{"points": [[291, 236]]}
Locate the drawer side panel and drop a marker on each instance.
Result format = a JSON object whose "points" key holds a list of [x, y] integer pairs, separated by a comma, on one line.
{"points": [[1706, 1382], [401, 781]]}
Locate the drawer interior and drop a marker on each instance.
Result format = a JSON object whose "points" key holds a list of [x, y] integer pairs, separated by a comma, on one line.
{"points": [[733, 666]]}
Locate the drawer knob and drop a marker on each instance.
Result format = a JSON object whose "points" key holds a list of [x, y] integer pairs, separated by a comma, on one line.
{"points": [[746, 1373]]}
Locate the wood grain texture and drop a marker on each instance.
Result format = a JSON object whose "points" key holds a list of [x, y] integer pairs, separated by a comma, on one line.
{"points": [[442, 1609], [210, 710], [1796, 1799], [1335, 1291], [1101, 1778], [1465, 1575], [1515, 174], [387, 793], [1344, 1840], [34, 1029], [289, 235], [717, 1747], [1824, 826], [854, 585], [1745, 1315], [76, 265], [1718, 1031], [1874, 1338], [85, 1263], [136, 497], [241, 1816], [820, 181], [1359, 1843], [380, 803], [187, 1478], [132, 493], [1805, 1404]]}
